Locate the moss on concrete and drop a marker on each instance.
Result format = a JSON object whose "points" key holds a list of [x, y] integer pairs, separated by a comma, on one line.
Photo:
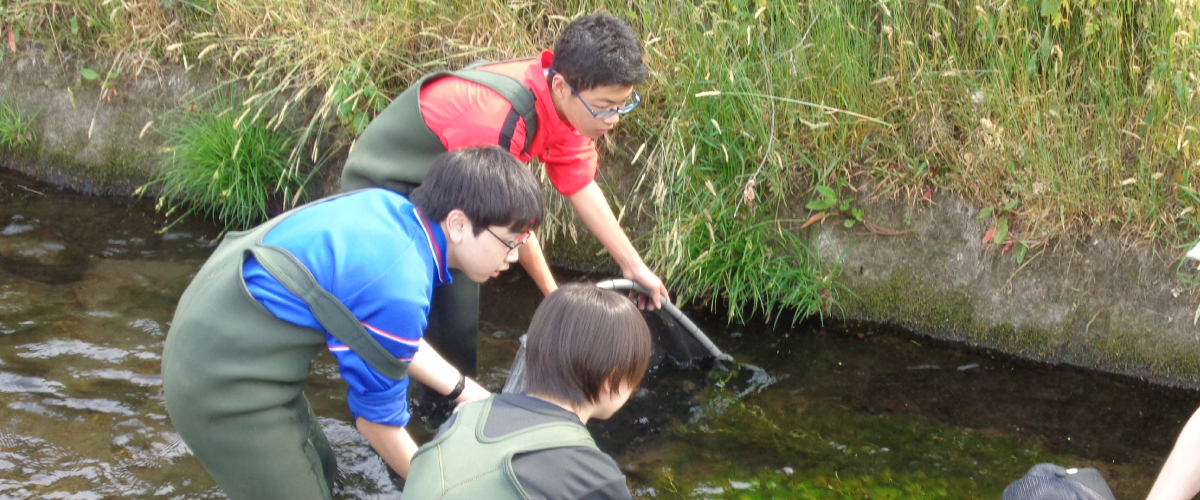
{"points": [[904, 300], [1090, 337]]}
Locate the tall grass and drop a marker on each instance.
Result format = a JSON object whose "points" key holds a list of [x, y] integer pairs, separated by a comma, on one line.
{"points": [[1064, 117], [229, 168]]}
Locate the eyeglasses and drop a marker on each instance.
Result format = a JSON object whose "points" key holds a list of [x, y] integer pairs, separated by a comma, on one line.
{"points": [[510, 244], [606, 113]]}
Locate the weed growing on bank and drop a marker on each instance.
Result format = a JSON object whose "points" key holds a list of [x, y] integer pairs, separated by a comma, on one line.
{"points": [[16, 128], [230, 168], [1067, 118]]}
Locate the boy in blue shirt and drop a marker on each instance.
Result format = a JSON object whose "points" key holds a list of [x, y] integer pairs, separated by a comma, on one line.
{"points": [[352, 274]]}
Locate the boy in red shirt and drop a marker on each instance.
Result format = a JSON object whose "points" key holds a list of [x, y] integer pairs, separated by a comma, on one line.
{"points": [[568, 98]]}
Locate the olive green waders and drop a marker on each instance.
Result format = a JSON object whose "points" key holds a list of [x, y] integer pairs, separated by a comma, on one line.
{"points": [[463, 464], [395, 152], [233, 374]]}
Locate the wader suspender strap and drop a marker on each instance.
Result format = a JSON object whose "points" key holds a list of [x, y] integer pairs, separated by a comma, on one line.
{"points": [[515, 92], [328, 310]]}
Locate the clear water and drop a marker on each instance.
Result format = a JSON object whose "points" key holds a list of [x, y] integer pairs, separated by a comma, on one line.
{"points": [[88, 285]]}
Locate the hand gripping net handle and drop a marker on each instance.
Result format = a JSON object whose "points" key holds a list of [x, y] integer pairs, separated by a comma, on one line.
{"points": [[624, 284]]}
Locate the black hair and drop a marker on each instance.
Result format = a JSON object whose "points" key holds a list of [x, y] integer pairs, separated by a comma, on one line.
{"points": [[581, 338], [598, 50], [486, 183]]}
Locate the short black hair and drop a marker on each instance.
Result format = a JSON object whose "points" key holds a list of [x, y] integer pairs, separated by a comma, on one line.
{"points": [[598, 50], [582, 337], [486, 183]]}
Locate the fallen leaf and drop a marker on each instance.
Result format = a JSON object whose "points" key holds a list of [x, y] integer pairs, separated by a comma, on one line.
{"points": [[814, 219], [987, 237], [1007, 246], [928, 194], [748, 194], [12, 40], [1001, 234]]}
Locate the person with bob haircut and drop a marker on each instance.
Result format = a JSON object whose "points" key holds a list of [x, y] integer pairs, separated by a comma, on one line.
{"points": [[553, 107], [586, 352], [353, 274]]}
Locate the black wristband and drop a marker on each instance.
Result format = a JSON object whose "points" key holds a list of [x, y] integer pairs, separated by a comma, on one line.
{"points": [[458, 389]]}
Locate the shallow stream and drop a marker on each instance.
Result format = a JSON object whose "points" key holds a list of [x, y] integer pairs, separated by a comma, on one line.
{"points": [[88, 285]]}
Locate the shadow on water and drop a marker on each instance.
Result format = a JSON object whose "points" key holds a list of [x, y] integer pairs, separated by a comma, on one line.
{"points": [[88, 286]]}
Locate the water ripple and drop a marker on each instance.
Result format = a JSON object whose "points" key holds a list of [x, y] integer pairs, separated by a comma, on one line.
{"points": [[356, 458], [98, 405], [11, 382], [14, 229], [139, 379], [147, 325], [53, 348], [48, 467]]}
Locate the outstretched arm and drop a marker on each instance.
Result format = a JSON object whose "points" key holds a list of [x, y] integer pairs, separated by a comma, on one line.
{"points": [[534, 262], [393, 442], [593, 208], [1180, 476]]}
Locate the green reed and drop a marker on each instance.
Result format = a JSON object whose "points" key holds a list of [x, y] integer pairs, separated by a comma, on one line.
{"points": [[230, 168]]}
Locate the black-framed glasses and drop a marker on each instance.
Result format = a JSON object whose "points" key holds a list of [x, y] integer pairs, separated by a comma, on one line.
{"points": [[511, 245], [607, 113]]}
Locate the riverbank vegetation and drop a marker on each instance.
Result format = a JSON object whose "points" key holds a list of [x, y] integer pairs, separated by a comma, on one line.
{"points": [[16, 128], [1060, 117], [230, 168]]}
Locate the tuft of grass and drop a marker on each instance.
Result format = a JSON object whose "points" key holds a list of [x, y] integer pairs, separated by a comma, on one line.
{"points": [[16, 129], [229, 168]]}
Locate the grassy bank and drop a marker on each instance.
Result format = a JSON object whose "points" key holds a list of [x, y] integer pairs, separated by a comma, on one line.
{"points": [[1062, 117]]}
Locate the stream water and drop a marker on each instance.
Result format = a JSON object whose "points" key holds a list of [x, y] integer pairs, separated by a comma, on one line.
{"points": [[88, 285]]}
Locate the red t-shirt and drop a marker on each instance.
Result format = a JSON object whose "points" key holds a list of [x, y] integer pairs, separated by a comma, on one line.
{"points": [[465, 114]]}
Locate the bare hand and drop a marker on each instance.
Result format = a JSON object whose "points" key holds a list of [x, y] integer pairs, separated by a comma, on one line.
{"points": [[643, 276]]}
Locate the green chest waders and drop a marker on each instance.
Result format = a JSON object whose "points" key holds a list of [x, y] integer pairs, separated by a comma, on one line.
{"points": [[233, 374], [463, 464], [395, 152]]}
